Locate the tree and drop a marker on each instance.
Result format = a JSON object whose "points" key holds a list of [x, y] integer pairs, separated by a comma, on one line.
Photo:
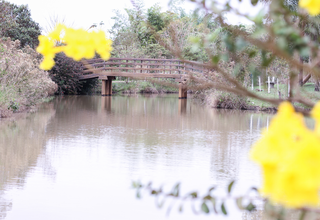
{"points": [[18, 24], [6, 17], [135, 32], [308, 28]]}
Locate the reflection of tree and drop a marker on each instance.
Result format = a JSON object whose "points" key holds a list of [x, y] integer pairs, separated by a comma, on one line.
{"points": [[21, 143], [237, 132], [5, 207]]}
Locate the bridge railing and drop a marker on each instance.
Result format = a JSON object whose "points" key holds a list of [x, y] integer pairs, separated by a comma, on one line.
{"points": [[139, 66]]}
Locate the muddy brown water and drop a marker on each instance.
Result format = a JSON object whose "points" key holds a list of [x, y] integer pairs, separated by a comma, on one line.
{"points": [[76, 157]]}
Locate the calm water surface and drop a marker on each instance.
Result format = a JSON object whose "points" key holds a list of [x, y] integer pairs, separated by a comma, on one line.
{"points": [[77, 156]]}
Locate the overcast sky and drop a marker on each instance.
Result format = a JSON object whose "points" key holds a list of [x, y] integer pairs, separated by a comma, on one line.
{"points": [[85, 13]]}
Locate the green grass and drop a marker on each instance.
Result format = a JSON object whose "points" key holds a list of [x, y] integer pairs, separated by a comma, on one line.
{"points": [[139, 86], [306, 91]]}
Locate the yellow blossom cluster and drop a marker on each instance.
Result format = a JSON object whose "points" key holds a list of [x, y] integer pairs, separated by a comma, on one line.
{"points": [[312, 6], [289, 154], [75, 43]]}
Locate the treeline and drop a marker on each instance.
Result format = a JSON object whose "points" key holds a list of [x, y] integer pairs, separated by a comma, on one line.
{"points": [[140, 32]]}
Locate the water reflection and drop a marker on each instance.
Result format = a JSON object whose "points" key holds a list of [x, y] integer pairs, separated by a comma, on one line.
{"points": [[97, 145], [22, 141]]}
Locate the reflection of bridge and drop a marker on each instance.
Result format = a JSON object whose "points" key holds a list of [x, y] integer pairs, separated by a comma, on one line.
{"points": [[139, 68], [106, 104]]}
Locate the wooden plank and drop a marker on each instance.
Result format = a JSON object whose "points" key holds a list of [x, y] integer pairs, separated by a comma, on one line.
{"points": [[130, 64], [92, 61], [126, 69], [89, 76], [141, 75], [103, 77], [131, 59], [200, 69]]}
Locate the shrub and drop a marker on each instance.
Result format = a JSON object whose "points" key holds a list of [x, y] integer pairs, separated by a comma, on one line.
{"points": [[22, 83], [66, 74], [226, 100]]}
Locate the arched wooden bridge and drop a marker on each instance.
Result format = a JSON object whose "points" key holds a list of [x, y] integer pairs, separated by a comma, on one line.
{"points": [[139, 68]]}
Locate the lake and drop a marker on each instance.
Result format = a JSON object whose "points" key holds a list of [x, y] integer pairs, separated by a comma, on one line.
{"points": [[77, 156]]}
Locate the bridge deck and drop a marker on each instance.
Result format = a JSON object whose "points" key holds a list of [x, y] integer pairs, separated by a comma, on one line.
{"points": [[138, 68]]}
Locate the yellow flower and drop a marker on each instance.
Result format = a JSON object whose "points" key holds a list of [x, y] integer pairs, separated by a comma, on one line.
{"points": [[77, 44], [56, 33], [47, 63], [46, 46], [312, 6], [289, 154]]}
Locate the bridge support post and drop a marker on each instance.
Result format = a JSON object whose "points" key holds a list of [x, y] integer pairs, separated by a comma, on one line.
{"points": [[106, 89], [182, 91]]}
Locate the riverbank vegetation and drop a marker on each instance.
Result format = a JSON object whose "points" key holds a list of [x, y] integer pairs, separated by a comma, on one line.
{"points": [[22, 83]]}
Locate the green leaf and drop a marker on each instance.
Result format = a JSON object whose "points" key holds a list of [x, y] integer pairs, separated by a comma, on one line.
{"points": [[138, 194], [252, 53], [213, 36], [259, 32], [258, 19], [212, 188], [230, 187], [160, 205], [254, 2], [250, 207], [223, 209], [154, 192], [282, 43], [304, 51], [239, 203], [241, 44], [215, 59], [181, 208], [213, 201], [205, 208], [195, 40], [176, 190], [194, 195]]}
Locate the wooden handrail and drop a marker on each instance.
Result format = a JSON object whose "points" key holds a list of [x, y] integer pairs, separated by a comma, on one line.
{"points": [[133, 67]]}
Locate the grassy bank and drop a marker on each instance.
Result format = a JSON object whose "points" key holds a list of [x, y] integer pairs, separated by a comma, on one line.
{"points": [[140, 86], [218, 99]]}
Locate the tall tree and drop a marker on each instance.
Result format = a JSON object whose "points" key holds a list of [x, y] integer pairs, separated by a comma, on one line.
{"points": [[21, 26]]}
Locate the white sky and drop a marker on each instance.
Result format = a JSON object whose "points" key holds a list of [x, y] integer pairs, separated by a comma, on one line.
{"points": [[84, 13]]}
